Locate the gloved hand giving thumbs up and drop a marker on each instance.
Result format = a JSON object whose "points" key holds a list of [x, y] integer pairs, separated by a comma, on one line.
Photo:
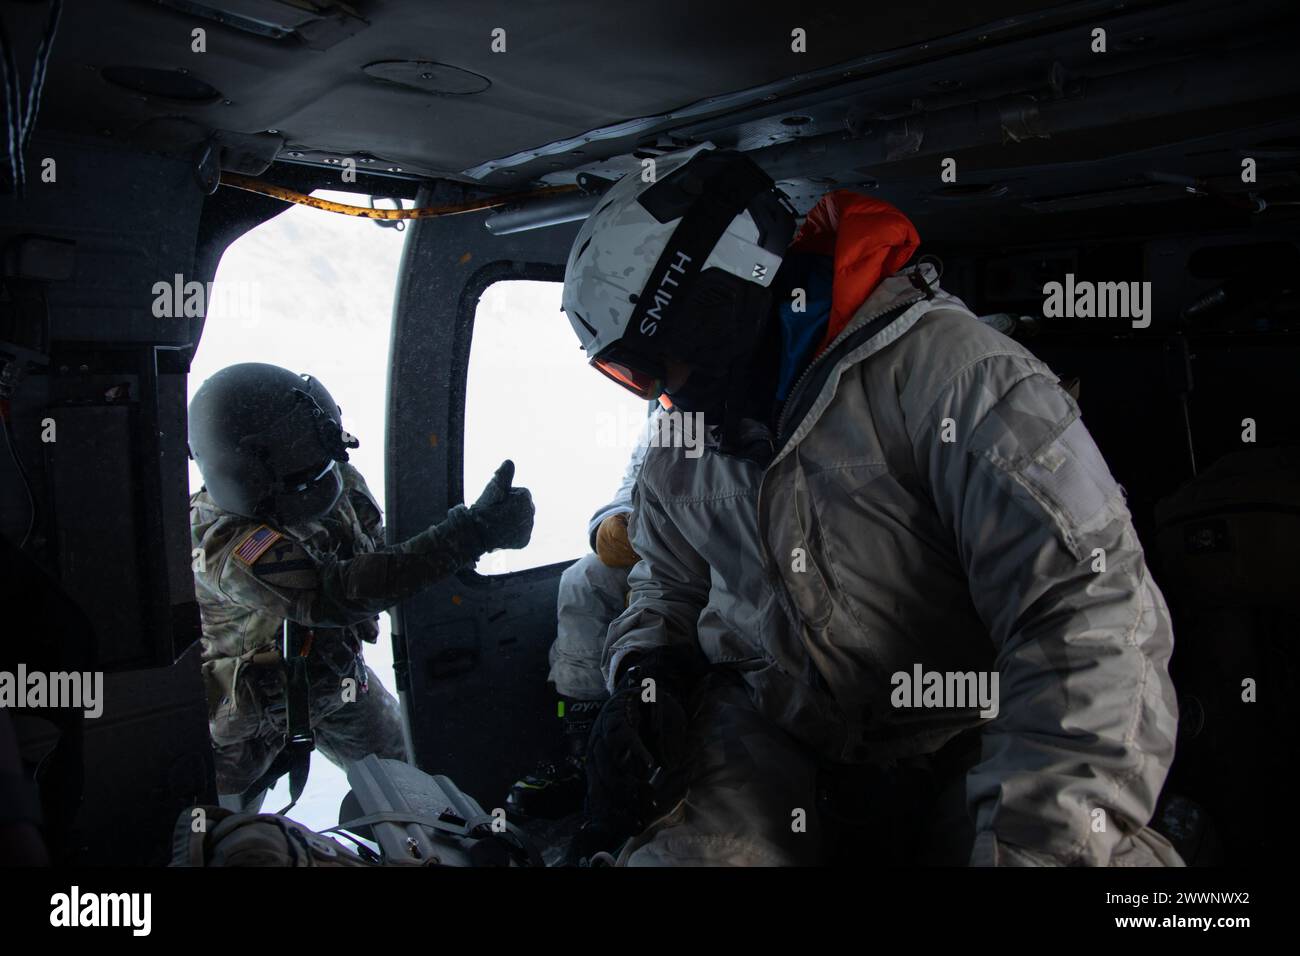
{"points": [[504, 515]]}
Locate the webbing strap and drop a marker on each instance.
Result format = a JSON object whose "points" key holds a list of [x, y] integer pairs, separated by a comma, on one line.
{"points": [[724, 195], [299, 740], [466, 830]]}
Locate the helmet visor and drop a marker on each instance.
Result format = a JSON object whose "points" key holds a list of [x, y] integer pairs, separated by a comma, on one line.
{"points": [[310, 502], [306, 477], [643, 377]]}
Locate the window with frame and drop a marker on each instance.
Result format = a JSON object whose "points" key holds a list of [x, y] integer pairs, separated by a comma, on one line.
{"points": [[532, 397]]}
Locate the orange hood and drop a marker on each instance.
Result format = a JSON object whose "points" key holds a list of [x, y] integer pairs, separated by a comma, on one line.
{"points": [[867, 238]]}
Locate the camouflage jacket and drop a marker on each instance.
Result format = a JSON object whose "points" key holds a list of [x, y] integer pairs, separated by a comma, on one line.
{"points": [[333, 575]]}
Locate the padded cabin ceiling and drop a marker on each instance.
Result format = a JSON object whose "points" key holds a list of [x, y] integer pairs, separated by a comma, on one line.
{"points": [[414, 84]]}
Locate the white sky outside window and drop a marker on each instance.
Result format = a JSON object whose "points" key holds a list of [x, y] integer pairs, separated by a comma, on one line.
{"points": [[531, 396], [313, 292]]}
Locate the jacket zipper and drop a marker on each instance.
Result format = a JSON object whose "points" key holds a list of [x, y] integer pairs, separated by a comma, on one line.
{"points": [[900, 308], [774, 576]]}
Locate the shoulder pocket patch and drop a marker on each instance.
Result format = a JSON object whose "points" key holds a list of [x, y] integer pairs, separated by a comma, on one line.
{"points": [[256, 543], [1043, 445], [1069, 478], [287, 566]]}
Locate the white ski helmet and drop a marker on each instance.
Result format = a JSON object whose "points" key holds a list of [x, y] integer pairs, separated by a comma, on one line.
{"points": [[678, 266]]}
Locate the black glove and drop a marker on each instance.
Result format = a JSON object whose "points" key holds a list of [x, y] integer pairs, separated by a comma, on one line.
{"points": [[503, 515], [636, 759], [592, 838]]}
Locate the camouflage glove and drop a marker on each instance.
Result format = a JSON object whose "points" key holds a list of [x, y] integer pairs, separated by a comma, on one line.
{"points": [[612, 544], [503, 515]]}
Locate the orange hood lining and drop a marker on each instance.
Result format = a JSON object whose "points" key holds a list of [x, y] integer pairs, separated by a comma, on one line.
{"points": [[867, 238]]}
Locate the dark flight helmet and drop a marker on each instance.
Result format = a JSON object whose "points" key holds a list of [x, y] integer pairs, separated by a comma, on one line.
{"points": [[267, 442]]}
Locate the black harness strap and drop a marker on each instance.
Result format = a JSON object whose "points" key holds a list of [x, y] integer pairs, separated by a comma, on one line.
{"points": [[299, 740], [723, 196]]}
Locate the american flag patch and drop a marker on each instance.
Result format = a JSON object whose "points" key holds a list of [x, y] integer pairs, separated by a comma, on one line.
{"points": [[255, 545]]}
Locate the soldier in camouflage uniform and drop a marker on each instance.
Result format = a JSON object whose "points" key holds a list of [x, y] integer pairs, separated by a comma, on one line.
{"points": [[288, 530]]}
